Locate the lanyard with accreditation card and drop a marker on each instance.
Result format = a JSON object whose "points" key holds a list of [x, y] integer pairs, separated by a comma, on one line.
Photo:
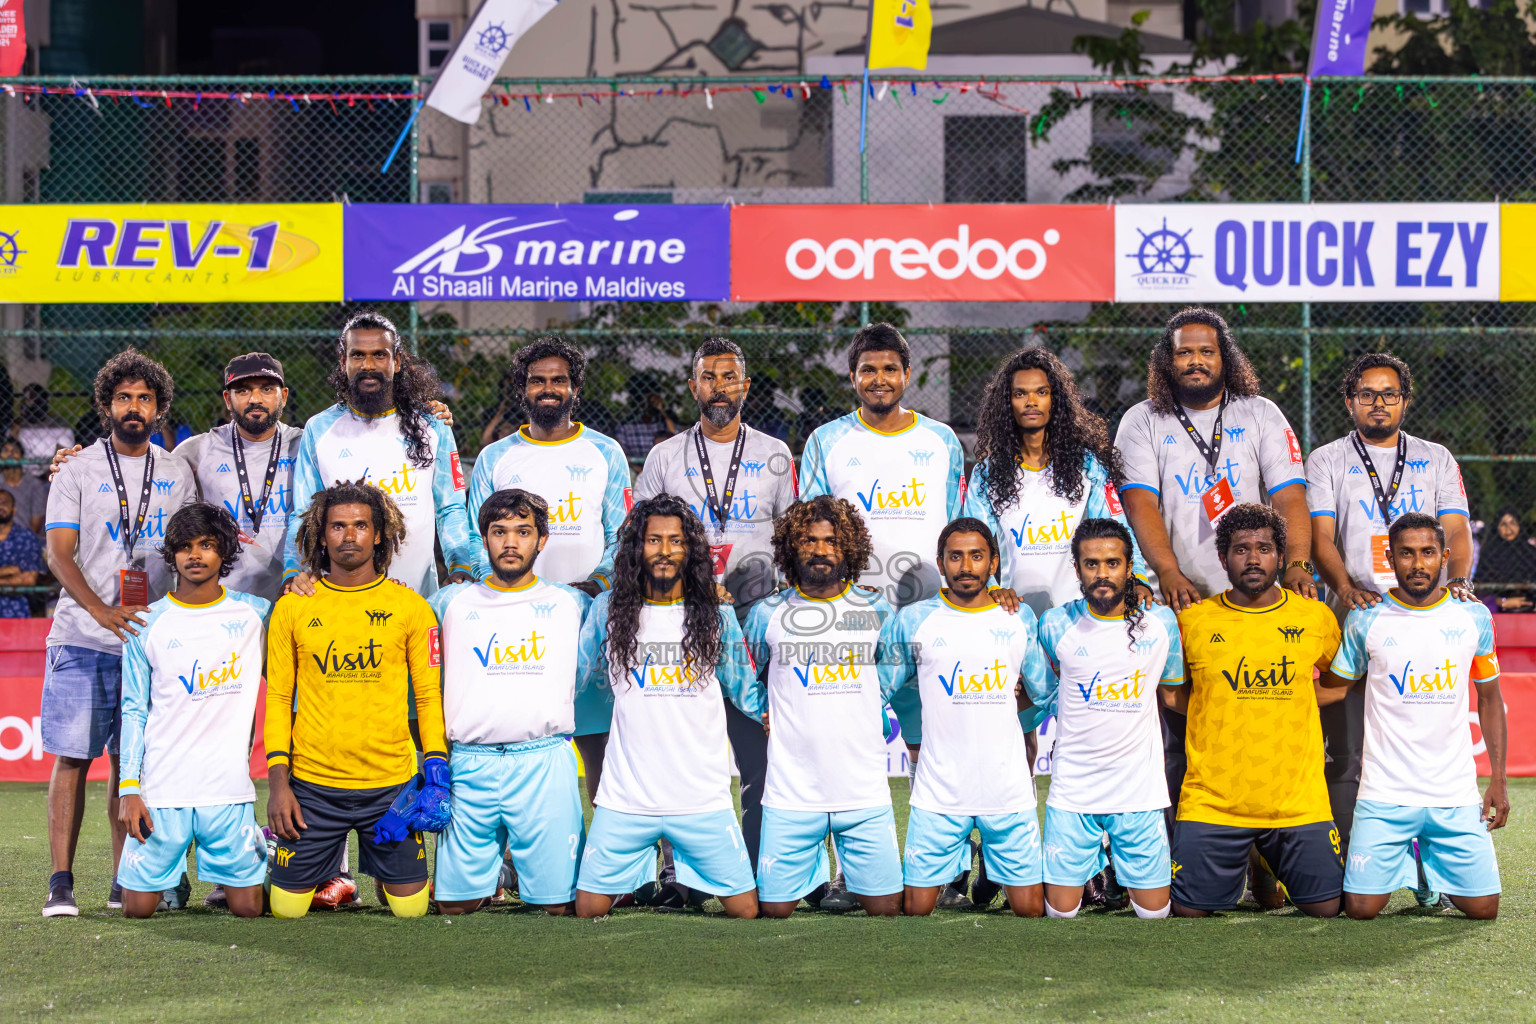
{"points": [[133, 582], [1381, 544], [1217, 498], [719, 504], [255, 510]]}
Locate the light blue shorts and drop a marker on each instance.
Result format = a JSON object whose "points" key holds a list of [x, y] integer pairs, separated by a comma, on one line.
{"points": [[594, 710], [792, 856], [230, 848], [522, 797], [1454, 846], [708, 849], [1074, 847], [82, 702], [937, 850]]}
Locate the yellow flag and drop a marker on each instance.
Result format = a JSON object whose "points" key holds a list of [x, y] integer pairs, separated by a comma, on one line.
{"points": [[899, 34]]}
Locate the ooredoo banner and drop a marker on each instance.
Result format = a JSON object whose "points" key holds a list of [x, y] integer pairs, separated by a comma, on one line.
{"points": [[922, 253], [647, 252], [1318, 252], [172, 252]]}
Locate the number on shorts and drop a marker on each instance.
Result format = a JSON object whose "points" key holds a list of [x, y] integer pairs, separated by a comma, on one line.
{"points": [[254, 840], [1333, 836], [575, 841]]}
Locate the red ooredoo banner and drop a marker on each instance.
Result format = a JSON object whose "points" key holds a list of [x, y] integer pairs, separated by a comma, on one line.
{"points": [[923, 253]]}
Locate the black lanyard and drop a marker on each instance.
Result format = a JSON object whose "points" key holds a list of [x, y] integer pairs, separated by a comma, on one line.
{"points": [[130, 540], [258, 510], [1383, 498], [1212, 451], [721, 509]]}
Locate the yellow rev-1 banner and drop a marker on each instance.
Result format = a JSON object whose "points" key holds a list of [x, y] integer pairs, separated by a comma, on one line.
{"points": [[171, 252], [1517, 271]]}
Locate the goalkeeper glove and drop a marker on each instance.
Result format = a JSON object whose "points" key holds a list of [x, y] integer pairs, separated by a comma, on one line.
{"points": [[395, 825], [433, 808]]}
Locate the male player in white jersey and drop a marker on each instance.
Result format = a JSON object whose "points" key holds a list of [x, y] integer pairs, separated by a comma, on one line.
{"points": [[105, 512], [509, 688], [966, 657], [583, 476], [815, 646], [737, 481], [1356, 486], [1417, 651], [1110, 655], [903, 471], [661, 640], [382, 432], [190, 681]]}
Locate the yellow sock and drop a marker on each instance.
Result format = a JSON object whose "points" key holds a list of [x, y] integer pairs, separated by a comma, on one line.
{"points": [[408, 906], [289, 904]]}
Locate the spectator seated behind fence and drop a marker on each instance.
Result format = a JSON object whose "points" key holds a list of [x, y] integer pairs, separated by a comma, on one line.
{"points": [[1508, 556], [654, 423], [29, 492], [40, 430], [21, 558]]}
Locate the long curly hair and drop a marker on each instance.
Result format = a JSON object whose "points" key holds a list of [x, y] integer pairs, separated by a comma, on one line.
{"points": [[1238, 375], [1108, 529], [701, 605], [388, 525], [415, 385], [848, 530], [1072, 432], [544, 347], [131, 364]]}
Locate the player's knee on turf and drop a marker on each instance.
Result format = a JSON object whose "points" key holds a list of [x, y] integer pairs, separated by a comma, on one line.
{"points": [[880, 906], [919, 900], [1026, 900], [742, 905], [592, 904], [1478, 908], [140, 905], [287, 904], [412, 904], [1322, 908], [245, 900], [456, 908], [776, 910]]}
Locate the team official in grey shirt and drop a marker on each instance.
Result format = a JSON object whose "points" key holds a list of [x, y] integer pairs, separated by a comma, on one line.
{"points": [[744, 480], [1357, 486], [107, 511]]}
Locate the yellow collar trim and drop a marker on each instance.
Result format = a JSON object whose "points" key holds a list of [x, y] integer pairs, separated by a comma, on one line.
{"points": [[363, 415], [1284, 596], [1103, 618], [944, 594], [1444, 597], [827, 600], [363, 586], [677, 600], [210, 604], [490, 581], [884, 433], [522, 432]]}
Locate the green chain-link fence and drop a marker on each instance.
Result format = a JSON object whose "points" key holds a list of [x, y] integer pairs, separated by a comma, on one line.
{"points": [[796, 140]]}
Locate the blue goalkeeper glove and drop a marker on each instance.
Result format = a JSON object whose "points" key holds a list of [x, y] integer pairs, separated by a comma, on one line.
{"points": [[433, 810], [395, 825]]}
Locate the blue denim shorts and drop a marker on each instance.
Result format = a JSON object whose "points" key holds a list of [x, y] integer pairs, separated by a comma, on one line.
{"points": [[82, 702]]}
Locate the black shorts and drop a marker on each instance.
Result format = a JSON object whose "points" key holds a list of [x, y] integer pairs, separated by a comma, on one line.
{"points": [[1210, 862], [330, 814]]}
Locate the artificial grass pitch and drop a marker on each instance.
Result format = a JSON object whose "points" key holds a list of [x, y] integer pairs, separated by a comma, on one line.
{"points": [[639, 965]]}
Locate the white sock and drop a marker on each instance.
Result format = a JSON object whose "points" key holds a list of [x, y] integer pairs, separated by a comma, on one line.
{"points": [[1051, 911], [1151, 915]]}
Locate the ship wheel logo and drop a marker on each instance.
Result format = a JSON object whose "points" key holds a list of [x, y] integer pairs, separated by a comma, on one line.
{"points": [[493, 38], [9, 250], [1164, 251]]}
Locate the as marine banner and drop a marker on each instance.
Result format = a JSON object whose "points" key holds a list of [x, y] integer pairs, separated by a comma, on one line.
{"points": [[172, 252]]}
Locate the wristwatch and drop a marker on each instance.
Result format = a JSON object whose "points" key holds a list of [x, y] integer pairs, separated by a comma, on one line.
{"points": [[1462, 581], [1302, 563]]}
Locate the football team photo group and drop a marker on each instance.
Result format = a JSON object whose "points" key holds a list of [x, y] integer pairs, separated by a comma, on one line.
{"points": [[542, 680]]}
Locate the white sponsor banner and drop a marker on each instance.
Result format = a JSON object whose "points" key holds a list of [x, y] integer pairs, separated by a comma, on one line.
{"points": [[466, 75], [1318, 252]]}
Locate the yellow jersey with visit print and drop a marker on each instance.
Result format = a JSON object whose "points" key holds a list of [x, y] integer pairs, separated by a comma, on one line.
{"points": [[1254, 742], [339, 666]]}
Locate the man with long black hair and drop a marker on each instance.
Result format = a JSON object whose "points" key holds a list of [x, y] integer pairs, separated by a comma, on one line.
{"points": [[106, 511], [1110, 654], [382, 431], [1044, 464], [660, 640]]}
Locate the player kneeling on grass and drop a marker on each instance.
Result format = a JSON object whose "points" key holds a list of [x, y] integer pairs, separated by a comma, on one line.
{"points": [[815, 648], [966, 656], [660, 639], [1417, 651], [190, 680], [509, 691], [1107, 769], [338, 759]]}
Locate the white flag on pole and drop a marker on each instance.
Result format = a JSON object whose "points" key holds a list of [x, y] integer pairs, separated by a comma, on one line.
{"points": [[468, 73]]}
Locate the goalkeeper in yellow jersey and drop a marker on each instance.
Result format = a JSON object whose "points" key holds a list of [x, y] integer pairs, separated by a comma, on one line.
{"points": [[339, 755]]}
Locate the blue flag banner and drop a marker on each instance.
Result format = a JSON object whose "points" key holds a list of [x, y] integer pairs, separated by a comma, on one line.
{"points": [[1340, 37], [536, 252]]}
